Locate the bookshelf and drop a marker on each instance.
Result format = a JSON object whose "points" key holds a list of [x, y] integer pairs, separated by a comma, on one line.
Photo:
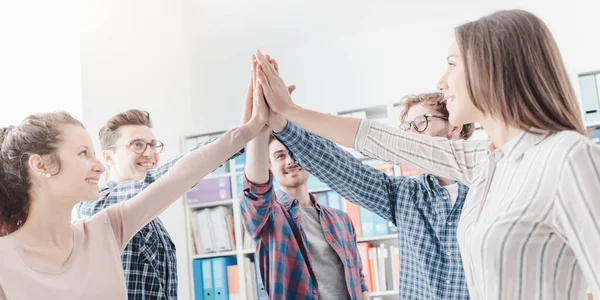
{"points": [[227, 172]]}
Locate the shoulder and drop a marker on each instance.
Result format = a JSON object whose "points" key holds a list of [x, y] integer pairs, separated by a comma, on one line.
{"points": [[564, 146]]}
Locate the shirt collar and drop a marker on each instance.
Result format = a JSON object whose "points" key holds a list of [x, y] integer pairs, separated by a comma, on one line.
{"points": [[289, 202], [518, 145]]}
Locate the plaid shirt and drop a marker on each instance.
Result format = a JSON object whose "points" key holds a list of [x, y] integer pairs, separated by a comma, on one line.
{"points": [[149, 260], [430, 262], [284, 260]]}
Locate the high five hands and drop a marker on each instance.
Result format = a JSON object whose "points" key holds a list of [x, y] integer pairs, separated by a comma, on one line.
{"points": [[267, 94]]}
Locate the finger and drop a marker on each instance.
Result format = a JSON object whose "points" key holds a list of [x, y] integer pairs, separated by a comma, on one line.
{"points": [[262, 79], [261, 95], [275, 65], [267, 68], [291, 89], [247, 106]]}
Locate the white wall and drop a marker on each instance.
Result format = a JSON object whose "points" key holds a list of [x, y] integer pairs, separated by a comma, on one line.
{"points": [[133, 56], [39, 59], [350, 54]]}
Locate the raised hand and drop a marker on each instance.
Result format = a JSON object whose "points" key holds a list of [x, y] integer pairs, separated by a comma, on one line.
{"points": [[276, 92], [247, 108], [260, 109], [276, 121]]}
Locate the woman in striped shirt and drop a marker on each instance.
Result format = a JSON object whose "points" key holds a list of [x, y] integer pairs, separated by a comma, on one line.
{"points": [[529, 228]]}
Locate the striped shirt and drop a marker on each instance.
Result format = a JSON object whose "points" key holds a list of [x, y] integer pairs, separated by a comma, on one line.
{"points": [[430, 262], [530, 227], [274, 223]]}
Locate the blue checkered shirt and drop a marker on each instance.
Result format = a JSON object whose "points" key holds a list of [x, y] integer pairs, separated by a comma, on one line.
{"points": [[430, 262], [149, 260]]}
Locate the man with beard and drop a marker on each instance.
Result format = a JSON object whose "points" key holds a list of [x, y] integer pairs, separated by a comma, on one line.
{"points": [[304, 250]]}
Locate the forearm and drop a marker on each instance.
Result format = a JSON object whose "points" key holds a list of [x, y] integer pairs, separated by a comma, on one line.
{"points": [[257, 202], [338, 169], [129, 216], [257, 159], [340, 130]]}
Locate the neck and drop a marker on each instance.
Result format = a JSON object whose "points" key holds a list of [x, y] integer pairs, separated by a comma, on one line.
{"points": [[300, 193], [114, 177], [444, 181], [47, 223], [500, 132]]}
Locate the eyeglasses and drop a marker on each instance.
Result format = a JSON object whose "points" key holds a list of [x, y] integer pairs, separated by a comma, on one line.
{"points": [[420, 123], [140, 146]]}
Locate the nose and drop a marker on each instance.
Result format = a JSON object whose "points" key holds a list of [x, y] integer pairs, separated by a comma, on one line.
{"points": [[98, 167], [289, 161], [442, 84], [149, 152]]}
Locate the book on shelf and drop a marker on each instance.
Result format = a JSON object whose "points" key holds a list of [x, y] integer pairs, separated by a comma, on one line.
{"points": [[212, 230], [209, 190], [366, 223], [595, 135], [215, 278], [383, 267]]}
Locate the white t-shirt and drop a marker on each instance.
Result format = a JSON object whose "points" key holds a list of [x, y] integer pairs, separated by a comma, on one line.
{"points": [[453, 191]]}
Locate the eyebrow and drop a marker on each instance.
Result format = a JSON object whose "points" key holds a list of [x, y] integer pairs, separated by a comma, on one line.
{"points": [[143, 140], [451, 55], [278, 151]]}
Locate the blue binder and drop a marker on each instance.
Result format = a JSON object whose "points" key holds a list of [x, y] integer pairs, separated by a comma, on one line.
{"points": [[198, 283], [334, 200], [207, 280], [219, 270]]}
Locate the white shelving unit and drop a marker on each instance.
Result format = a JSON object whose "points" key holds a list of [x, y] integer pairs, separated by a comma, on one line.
{"points": [[188, 143]]}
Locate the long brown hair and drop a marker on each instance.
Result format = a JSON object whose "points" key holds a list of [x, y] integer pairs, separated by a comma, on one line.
{"points": [[515, 72]]}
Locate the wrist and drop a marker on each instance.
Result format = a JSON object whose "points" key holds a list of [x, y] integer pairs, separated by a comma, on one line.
{"points": [[290, 110], [255, 126], [278, 125]]}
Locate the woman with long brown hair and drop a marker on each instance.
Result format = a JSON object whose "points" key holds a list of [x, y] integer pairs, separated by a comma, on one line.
{"points": [[529, 227]]}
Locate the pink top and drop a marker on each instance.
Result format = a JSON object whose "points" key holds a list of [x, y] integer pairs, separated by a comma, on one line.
{"points": [[94, 269]]}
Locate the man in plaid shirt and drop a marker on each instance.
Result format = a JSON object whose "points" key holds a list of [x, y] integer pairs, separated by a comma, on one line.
{"points": [[304, 250], [132, 153], [425, 208]]}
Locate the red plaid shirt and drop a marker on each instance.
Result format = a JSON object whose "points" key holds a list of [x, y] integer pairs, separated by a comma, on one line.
{"points": [[285, 265]]}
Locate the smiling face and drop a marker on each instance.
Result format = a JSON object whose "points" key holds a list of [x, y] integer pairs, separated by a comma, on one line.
{"points": [[285, 171], [75, 169], [125, 164], [454, 86]]}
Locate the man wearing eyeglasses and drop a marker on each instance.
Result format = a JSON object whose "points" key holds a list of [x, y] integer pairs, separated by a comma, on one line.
{"points": [[132, 153], [424, 208]]}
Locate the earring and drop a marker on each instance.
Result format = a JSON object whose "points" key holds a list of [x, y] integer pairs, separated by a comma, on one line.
{"points": [[44, 174]]}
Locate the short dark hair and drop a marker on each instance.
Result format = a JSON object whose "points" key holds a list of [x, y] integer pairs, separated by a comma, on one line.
{"points": [[109, 134]]}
